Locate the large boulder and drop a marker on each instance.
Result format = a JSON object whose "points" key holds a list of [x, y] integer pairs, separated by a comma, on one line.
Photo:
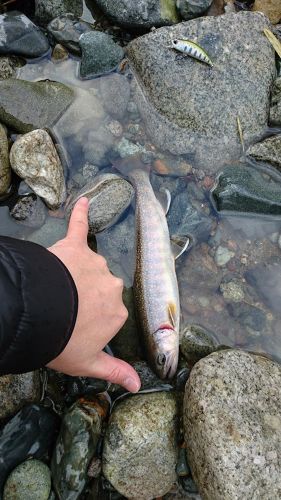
{"points": [[5, 169], [190, 107]]}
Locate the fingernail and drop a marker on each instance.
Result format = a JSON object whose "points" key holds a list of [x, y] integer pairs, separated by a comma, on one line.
{"points": [[132, 385], [83, 200]]}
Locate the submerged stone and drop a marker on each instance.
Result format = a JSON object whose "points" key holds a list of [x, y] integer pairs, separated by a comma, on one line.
{"points": [[196, 342], [100, 54], [30, 480], [244, 189], [5, 169], [46, 10], [189, 9], [115, 91], [29, 211], [268, 150], [18, 390], [44, 103], [9, 66], [20, 37], [265, 278], [67, 29]]}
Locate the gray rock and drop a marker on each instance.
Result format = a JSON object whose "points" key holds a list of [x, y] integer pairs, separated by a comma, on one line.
{"points": [[275, 109], [20, 37], [67, 29], [115, 91], [249, 316], [30, 480], [79, 434], [265, 279], [44, 103], [53, 230], [140, 453], [9, 66], [109, 195], [16, 391], [233, 427], [223, 255], [141, 14], [268, 150], [100, 54], [98, 145], [128, 148], [29, 211], [189, 9], [34, 158], [59, 53], [46, 10], [196, 342], [201, 119], [5, 169], [232, 291]]}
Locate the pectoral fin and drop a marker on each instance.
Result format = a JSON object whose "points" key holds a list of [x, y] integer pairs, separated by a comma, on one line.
{"points": [[164, 198], [179, 245], [172, 311]]}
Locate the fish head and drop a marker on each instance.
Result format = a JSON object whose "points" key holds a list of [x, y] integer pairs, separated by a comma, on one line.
{"points": [[165, 352], [175, 43]]}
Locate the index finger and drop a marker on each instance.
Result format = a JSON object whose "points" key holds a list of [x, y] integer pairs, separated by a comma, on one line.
{"points": [[78, 224]]}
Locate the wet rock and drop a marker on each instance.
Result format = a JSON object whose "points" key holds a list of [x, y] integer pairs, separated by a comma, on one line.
{"points": [[199, 271], [76, 387], [30, 480], [223, 255], [196, 342], [244, 189], [20, 37], [44, 103], [29, 434], [275, 109], [249, 316], [9, 66], [109, 195], [46, 10], [80, 431], [201, 120], [232, 426], [189, 9], [140, 453], [232, 291], [100, 54], [59, 53], [128, 148], [265, 279], [115, 92], [53, 230], [67, 29], [16, 391], [29, 211], [268, 150], [98, 146], [144, 14], [34, 158], [272, 9], [5, 169]]}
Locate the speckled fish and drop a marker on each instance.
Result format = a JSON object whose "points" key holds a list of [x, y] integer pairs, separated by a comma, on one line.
{"points": [[192, 49], [155, 283]]}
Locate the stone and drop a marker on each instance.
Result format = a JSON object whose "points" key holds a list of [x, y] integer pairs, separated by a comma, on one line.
{"points": [[271, 8], [115, 91], [59, 53], [249, 316], [142, 14], [109, 195], [140, 452], [34, 158], [67, 29], [232, 426], [98, 146], [5, 169], [52, 231], [44, 103], [29, 211], [275, 108], [20, 37], [196, 342], [30, 480], [244, 189], [189, 9], [232, 291], [201, 120], [18, 390], [9, 66], [128, 148], [76, 444], [46, 10], [268, 150], [265, 278], [223, 255], [100, 54]]}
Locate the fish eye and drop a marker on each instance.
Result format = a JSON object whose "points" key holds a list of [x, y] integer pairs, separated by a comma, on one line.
{"points": [[175, 42], [161, 359]]}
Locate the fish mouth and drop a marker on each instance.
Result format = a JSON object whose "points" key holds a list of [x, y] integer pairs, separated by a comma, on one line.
{"points": [[166, 364]]}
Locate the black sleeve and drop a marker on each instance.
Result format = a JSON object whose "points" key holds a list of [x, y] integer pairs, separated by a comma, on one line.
{"points": [[38, 306]]}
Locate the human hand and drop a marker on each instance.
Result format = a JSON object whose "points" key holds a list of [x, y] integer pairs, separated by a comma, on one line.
{"points": [[101, 312]]}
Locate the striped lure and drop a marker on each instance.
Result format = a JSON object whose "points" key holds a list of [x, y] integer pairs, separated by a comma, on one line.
{"points": [[192, 49]]}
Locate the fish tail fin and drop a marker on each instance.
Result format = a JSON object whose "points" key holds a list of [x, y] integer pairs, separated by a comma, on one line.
{"points": [[127, 166]]}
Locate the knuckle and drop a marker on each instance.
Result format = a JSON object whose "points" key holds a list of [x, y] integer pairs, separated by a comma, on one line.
{"points": [[101, 261], [115, 374]]}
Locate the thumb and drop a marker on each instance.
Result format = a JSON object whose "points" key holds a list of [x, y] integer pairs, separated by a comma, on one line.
{"points": [[78, 223], [116, 371]]}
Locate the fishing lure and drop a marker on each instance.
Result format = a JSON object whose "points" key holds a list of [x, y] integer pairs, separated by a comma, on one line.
{"points": [[192, 49]]}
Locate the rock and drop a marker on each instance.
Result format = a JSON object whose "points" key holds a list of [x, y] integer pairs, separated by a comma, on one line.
{"points": [[44, 103], [244, 189], [9, 66], [143, 14], [67, 29], [5, 169], [268, 150], [265, 279], [115, 91], [232, 291], [233, 427], [109, 196], [223, 256], [189, 9], [29, 211], [16, 391], [199, 272], [249, 316], [34, 158], [128, 148], [20, 37], [275, 109], [29, 434], [140, 453], [196, 342], [52, 231], [59, 53], [46, 10], [271, 8], [98, 145], [201, 120], [79, 434], [100, 54], [30, 480], [77, 387]]}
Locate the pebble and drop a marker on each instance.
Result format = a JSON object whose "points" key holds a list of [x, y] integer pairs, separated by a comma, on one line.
{"points": [[115, 92], [223, 256], [5, 169], [16, 391], [127, 148], [9, 66], [100, 54], [30, 480], [232, 291], [67, 29], [196, 342], [189, 9], [265, 279], [59, 53], [249, 316], [20, 37], [29, 211]]}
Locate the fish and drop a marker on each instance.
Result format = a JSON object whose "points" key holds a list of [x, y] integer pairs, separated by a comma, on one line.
{"points": [[155, 284], [192, 49]]}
